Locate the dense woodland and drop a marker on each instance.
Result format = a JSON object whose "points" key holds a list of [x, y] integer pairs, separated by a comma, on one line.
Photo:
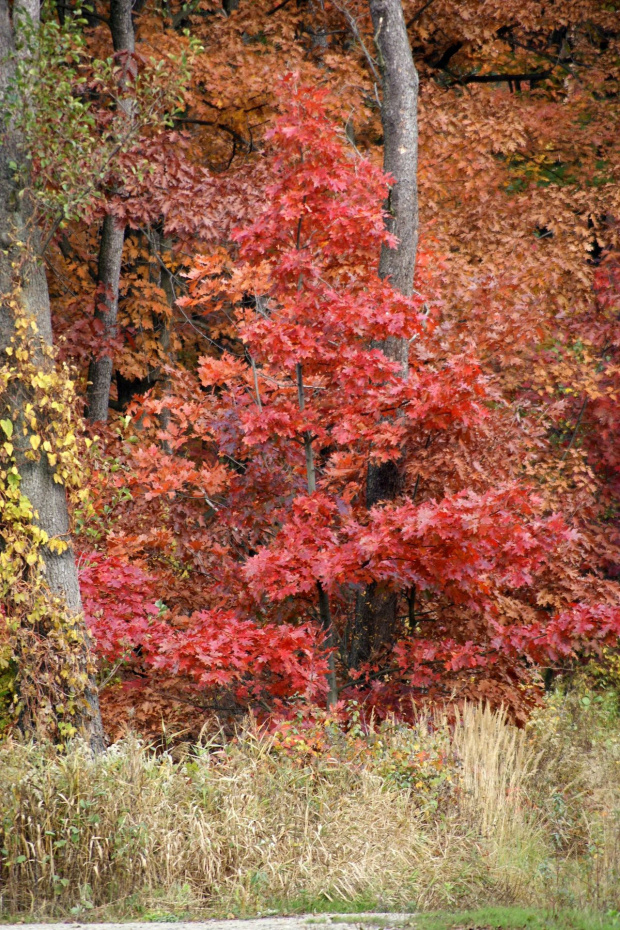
{"points": [[309, 367]]}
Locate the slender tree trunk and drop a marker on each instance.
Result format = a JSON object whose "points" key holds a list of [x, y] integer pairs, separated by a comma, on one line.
{"points": [[121, 26], [324, 608], [106, 311], [110, 248], [162, 276], [399, 115], [376, 608], [24, 293]]}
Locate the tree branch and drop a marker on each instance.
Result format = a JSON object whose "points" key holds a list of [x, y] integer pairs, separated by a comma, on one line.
{"points": [[352, 23], [497, 78], [278, 7], [417, 15]]}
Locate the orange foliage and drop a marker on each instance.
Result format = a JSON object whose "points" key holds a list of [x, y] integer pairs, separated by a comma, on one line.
{"points": [[520, 213]]}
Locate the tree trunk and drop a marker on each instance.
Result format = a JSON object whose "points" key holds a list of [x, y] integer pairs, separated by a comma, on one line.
{"points": [[399, 115], [110, 248], [376, 608], [163, 277], [324, 608], [106, 311], [121, 26], [24, 293]]}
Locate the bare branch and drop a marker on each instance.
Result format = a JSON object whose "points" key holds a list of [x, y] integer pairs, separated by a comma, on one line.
{"points": [[352, 22]]}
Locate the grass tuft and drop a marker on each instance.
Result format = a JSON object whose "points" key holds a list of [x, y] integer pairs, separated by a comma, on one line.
{"points": [[406, 818]]}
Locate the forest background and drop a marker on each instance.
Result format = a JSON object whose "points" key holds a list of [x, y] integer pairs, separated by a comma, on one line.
{"points": [[295, 476], [308, 446]]}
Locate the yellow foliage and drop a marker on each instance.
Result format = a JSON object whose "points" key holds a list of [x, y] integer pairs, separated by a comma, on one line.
{"points": [[42, 647]]}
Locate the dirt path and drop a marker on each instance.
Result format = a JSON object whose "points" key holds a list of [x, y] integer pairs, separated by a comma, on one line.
{"points": [[308, 922]]}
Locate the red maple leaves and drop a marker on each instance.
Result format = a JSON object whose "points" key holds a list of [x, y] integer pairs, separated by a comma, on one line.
{"points": [[300, 385]]}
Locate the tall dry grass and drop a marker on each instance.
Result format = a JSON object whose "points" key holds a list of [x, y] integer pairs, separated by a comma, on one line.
{"points": [[242, 827]]}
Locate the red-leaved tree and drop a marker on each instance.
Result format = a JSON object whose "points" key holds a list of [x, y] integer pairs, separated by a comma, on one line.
{"points": [[256, 489]]}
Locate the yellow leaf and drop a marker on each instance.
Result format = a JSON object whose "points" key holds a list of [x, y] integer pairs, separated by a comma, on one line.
{"points": [[35, 442], [57, 545]]}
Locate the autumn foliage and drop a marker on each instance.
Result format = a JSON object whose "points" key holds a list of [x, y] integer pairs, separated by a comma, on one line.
{"points": [[226, 546]]}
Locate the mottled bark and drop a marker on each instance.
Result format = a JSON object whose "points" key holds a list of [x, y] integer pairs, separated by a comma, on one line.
{"points": [[24, 291], [376, 607], [399, 111], [121, 25], [110, 247], [106, 311]]}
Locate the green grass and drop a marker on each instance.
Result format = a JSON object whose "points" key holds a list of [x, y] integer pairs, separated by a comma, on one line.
{"points": [[490, 918], [322, 904], [515, 918]]}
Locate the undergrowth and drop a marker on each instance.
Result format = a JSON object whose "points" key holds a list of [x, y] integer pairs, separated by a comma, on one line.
{"points": [[316, 817]]}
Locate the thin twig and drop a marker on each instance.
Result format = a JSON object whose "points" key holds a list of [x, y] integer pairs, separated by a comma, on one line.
{"points": [[353, 26], [106, 681]]}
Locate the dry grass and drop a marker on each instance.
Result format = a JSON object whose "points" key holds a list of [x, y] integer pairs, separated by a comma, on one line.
{"points": [[242, 828]]}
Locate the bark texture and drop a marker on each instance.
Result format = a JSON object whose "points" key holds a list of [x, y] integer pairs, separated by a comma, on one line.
{"points": [[110, 247], [23, 282], [121, 25], [399, 115], [376, 608], [106, 311]]}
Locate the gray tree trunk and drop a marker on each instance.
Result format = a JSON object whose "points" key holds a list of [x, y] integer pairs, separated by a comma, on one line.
{"points": [[106, 311], [110, 249], [399, 115], [22, 279], [121, 25], [376, 609]]}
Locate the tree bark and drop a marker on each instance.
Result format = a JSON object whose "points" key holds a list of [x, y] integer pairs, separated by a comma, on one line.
{"points": [[324, 608], [121, 26], [164, 278], [376, 608], [106, 311], [399, 115], [23, 290], [110, 248]]}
